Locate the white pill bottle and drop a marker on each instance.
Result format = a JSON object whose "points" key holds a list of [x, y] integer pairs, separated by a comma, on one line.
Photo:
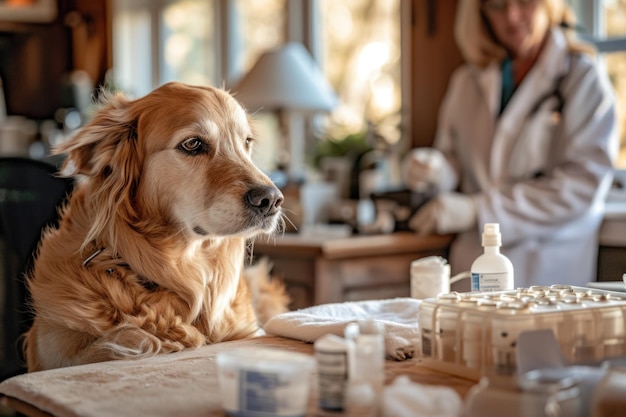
{"points": [[492, 271]]}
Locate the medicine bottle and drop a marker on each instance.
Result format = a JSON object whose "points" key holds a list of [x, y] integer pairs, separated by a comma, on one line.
{"points": [[492, 271], [367, 373], [333, 355]]}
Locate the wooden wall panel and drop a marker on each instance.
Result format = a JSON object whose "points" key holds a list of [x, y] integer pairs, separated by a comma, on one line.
{"points": [[434, 56]]}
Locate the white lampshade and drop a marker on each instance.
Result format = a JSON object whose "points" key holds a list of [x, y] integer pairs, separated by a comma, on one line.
{"points": [[285, 78]]}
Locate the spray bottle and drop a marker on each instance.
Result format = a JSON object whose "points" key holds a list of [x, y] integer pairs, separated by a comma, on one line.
{"points": [[492, 271]]}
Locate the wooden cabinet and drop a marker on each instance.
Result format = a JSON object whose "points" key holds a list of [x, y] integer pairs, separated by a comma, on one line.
{"points": [[318, 270], [37, 59]]}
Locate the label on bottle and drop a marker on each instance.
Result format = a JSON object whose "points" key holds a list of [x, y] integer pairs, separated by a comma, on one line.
{"points": [[489, 281], [267, 393], [333, 378]]}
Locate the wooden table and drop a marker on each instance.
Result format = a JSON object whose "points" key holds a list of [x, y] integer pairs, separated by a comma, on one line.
{"points": [[183, 383], [320, 270]]}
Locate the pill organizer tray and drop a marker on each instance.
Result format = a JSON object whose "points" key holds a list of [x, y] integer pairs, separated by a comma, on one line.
{"points": [[474, 334]]}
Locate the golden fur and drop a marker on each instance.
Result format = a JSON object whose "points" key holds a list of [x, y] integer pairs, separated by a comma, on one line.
{"points": [[150, 250]]}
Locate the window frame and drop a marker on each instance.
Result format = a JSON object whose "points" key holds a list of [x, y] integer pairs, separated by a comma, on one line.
{"points": [[590, 18]]}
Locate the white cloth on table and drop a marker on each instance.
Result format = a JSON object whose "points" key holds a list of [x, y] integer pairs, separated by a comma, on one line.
{"points": [[398, 315]]}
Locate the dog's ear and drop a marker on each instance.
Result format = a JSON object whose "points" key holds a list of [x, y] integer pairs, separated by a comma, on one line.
{"points": [[92, 149], [104, 153]]}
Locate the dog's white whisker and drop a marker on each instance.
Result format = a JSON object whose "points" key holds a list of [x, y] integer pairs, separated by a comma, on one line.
{"points": [[249, 248], [285, 217]]}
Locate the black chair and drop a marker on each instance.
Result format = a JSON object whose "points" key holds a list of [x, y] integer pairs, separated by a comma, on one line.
{"points": [[30, 194]]}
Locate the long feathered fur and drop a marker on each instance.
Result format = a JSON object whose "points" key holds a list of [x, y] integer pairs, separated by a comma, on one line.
{"points": [[150, 249]]}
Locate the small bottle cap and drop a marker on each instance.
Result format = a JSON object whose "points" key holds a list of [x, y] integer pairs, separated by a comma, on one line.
{"points": [[351, 331], [491, 235], [370, 326]]}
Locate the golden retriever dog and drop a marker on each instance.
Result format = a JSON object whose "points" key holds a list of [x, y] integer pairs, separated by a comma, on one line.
{"points": [[150, 252]]}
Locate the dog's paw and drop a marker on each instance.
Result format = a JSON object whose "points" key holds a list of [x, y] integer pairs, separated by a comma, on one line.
{"points": [[403, 353], [400, 348]]}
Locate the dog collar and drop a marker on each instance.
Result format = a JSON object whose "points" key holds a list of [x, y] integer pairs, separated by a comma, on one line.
{"points": [[146, 283], [92, 256]]}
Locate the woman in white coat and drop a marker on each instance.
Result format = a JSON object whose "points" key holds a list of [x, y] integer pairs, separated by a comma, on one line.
{"points": [[527, 136]]}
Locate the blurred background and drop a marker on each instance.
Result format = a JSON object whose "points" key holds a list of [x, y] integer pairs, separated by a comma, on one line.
{"points": [[360, 84], [354, 84], [387, 60]]}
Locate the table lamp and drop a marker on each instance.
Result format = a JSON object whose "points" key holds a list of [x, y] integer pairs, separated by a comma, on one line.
{"points": [[286, 80]]}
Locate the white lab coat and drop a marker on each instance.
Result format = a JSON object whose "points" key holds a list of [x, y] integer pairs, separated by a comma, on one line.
{"points": [[543, 176]]}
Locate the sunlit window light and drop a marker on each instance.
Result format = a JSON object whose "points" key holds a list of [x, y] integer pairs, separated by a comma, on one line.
{"points": [[385, 98]]}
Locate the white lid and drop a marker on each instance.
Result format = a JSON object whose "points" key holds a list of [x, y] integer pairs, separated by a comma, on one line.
{"points": [[491, 235], [331, 343], [265, 360]]}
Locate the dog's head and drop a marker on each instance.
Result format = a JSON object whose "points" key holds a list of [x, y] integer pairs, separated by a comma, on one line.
{"points": [[178, 158]]}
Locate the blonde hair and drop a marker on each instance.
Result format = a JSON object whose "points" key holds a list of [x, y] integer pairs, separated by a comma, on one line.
{"points": [[478, 45]]}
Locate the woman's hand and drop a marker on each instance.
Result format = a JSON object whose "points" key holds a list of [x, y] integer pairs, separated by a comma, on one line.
{"points": [[446, 213], [428, 166]]}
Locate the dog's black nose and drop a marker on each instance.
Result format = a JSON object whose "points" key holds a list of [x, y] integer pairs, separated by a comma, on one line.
{"points": [[265, 200]]}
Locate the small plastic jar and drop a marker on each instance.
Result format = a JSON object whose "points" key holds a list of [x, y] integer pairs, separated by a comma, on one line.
{"points": [[262, 381]]}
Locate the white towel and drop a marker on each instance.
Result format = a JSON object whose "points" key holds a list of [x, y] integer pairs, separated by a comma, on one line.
{"points": [[398, 315]]}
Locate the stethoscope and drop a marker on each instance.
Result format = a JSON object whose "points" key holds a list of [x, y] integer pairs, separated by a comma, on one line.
{"points": [[555, 92]]}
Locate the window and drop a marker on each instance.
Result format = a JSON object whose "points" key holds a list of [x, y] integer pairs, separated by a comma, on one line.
{"points": [[362, 45], [603, 22], [215, 41]]}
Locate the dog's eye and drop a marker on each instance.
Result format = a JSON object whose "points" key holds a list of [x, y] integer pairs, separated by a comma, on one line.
{"points": [[249, 142], [193, 146]]}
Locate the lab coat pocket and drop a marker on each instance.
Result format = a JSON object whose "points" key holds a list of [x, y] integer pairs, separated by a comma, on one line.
{"points": [[532, 150]]}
